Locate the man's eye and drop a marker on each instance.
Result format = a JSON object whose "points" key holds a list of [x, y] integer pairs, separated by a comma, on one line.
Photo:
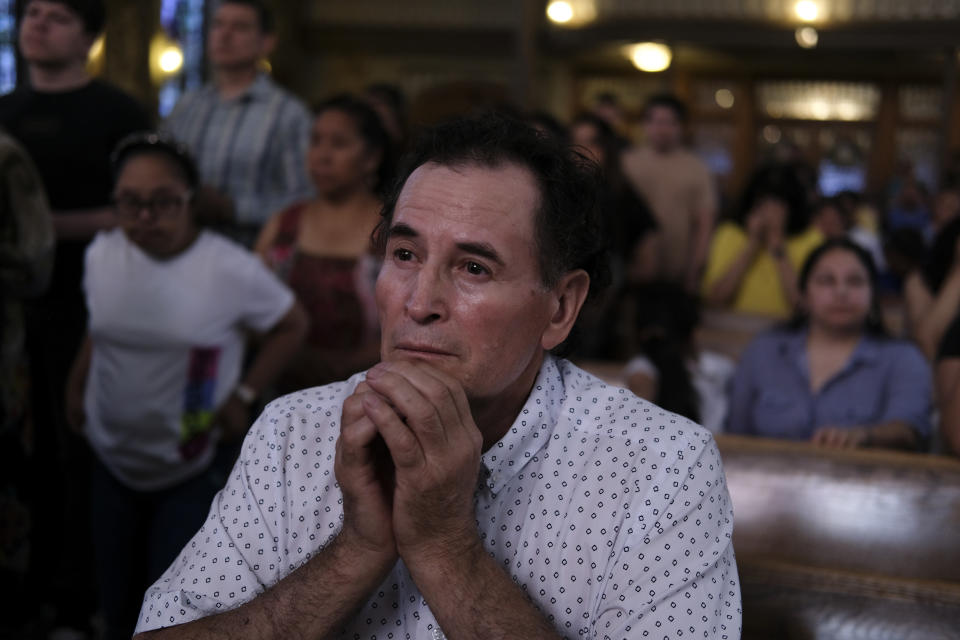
{"points": [[403, 254], [477, 269]]}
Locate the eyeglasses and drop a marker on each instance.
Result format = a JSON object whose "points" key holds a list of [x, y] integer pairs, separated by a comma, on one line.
{"points": [[159, 206]]}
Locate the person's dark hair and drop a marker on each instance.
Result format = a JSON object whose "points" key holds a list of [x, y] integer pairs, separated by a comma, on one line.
{"points": [[608, 98], [392, 96], [606, 136], [154, 142], [941, 256], [264, 15], [664, 320], [667, 101], [371, 130], [874, 323], [546, 123], [91, 12], [779, 182], [567, 224]]}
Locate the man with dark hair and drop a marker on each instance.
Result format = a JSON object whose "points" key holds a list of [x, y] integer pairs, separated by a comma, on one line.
{"points": [[248, 135], [679, 189], [472, 484], [68, 123]]}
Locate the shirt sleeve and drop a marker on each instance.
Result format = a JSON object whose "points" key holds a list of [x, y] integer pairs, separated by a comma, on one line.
{"points": [[237, 553], [288, 181], [909, 390], [266, 300], [726, 244], [678, 574]]}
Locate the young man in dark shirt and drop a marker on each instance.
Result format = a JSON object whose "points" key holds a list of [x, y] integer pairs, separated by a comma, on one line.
{"points": [[69, 124]]}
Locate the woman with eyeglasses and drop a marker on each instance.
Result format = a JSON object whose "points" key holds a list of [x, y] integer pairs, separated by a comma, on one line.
{"points": [[159, 379]]}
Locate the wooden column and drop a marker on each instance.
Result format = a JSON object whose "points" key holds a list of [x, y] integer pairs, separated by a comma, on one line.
{"points": [[130, 27], [745, 135], [529, 17], [949, 128], [883, 154], [287, 58]]}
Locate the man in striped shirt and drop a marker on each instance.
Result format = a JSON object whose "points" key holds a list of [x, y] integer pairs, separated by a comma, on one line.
{"points": [[249, 136]]}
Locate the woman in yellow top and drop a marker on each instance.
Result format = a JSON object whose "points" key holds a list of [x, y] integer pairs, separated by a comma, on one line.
{"points": [[753, 261]]}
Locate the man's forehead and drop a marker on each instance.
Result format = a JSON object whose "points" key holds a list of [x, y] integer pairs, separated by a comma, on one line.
{"points": [[471, 184], [468, 203]]}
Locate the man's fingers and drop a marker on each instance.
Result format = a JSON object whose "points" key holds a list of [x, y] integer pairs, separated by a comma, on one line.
{"points": [[353, 405], [353, 445], [405, 449], [422, 402]]}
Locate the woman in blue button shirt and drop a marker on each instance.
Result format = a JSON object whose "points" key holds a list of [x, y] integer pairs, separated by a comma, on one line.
{"points": [[832, 375]]}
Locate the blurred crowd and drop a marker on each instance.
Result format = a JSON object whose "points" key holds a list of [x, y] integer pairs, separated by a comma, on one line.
{"points": [[160, 284]]}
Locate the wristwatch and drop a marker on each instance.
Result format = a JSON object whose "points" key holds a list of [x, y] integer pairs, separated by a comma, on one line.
{"points": [[245, 393]]}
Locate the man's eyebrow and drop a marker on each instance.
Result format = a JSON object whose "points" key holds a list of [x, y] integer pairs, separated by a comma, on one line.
{"points": [[402, 230], [482, 249]]}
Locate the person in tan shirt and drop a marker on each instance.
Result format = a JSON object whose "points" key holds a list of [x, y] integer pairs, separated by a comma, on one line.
{"points": [[679, 189]]}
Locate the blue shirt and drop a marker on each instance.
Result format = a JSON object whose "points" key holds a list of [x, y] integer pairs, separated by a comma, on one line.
{"points": [[252, 147], [884, 380]]}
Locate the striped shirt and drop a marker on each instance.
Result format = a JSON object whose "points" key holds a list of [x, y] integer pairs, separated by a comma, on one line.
{"points": [[252, 147]]}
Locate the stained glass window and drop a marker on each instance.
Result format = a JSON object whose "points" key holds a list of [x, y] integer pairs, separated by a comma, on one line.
{"points": [[8, 59]]}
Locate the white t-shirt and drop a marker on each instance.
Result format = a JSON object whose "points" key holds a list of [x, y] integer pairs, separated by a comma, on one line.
{"points": [[168, 343], [710, 374]]}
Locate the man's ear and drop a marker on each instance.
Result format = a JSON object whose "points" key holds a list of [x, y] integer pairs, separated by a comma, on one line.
{"points": [[570, 293]]}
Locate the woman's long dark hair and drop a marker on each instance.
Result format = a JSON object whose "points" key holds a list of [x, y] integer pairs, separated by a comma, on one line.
{"points": [[371, 130], [873, 325], [664, 320]]}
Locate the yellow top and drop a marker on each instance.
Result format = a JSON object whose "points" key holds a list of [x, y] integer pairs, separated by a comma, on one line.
{"points": [[760, 291]]}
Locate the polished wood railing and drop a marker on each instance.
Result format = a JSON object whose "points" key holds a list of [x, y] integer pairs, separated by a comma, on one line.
{"points": [[844, 544]]}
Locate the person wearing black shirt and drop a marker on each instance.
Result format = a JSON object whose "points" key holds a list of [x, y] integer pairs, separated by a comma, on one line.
{"points": [[68, 123]]}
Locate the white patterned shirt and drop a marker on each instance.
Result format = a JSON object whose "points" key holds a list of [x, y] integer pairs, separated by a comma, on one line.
{"points": [[610, 513]]}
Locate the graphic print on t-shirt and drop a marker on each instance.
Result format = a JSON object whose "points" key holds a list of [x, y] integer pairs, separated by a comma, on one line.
{"points": [[197, 420]]}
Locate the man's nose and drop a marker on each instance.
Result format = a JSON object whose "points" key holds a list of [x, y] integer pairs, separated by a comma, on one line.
{"points": [[427, 298]]}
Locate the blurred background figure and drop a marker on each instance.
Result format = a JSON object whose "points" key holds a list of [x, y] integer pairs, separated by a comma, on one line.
{"points": [[754, 257], [68, 122], [547, 124], [390, 104], [946, 209], [247, 134], [26, 259], [629, 227], [910, 208], [607, 107], [833, 376], [679, 189], [831, 218], [932, 293], [158, 380], [321, 247], [947, 381], [657, 323]]}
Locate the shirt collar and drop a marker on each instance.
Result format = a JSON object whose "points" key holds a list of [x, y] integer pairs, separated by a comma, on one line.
{"points": [[794, 349], [529, 433], [259, 88]]}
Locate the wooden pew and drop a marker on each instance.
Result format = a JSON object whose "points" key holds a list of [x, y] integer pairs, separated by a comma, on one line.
{"points": [[844, 544]]}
